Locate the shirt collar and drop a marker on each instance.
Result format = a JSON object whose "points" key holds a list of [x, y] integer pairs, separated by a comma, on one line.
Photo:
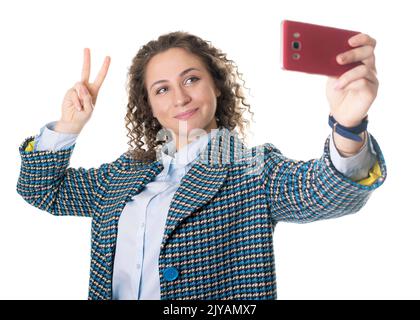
{"points": [[187, 154]]}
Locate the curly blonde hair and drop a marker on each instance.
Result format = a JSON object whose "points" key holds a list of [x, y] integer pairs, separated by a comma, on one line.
{"points": [[143, 127]]}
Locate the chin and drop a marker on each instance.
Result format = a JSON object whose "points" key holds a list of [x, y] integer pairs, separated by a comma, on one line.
{"points": [[189, 126]]}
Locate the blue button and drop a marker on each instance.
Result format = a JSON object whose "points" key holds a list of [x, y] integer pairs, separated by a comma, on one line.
{"points": [[170, 274]]}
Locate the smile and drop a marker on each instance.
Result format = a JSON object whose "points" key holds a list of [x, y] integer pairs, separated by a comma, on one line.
{"points": [[187, 115]]}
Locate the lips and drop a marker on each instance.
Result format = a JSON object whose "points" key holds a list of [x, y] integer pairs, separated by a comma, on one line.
{"points": [[187, 114]]}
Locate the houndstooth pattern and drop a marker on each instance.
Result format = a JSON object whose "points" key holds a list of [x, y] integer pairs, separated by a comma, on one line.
{"points": [[221, 219]]}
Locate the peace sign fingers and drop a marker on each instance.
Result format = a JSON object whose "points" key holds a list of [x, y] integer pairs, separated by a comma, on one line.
{"points": [[96, 85]]}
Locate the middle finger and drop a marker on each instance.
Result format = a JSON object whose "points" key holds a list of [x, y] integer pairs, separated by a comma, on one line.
{"points": [[364, 54], [102, 73]]}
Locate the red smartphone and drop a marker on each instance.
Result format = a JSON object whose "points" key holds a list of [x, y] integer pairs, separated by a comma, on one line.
{"points": [[313, 48]]}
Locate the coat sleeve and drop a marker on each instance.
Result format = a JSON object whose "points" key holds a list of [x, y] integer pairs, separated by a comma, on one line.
{"points": [[46, 182], [305, 191]]}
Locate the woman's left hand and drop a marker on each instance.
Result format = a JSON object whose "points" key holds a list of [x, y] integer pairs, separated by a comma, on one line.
{"points": [[352, 94]]}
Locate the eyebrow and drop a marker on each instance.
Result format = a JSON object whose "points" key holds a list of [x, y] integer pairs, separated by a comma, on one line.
{"points": [[180, 75]]}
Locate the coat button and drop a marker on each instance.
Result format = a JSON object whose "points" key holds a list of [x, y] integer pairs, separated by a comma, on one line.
{"points": [[170, 274]]}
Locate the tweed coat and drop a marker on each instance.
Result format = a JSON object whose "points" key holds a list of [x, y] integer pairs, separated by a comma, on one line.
{"points": [[218, 233]]}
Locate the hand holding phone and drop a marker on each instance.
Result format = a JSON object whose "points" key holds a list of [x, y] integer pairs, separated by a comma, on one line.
{"points": [[313, 48], [352, 84]]}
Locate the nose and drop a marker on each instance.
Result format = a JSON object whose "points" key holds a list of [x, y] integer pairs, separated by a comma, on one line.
{"points": [[181, 97]]}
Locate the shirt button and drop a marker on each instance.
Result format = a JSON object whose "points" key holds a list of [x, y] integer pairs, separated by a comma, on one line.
{"points": [[170, 274], [142, 224]]}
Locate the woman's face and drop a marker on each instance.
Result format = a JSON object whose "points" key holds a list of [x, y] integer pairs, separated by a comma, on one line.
{"points": [[178, 82]]}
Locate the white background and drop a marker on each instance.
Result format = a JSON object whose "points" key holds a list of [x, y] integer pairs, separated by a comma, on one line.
{"points": [[373, 254]]}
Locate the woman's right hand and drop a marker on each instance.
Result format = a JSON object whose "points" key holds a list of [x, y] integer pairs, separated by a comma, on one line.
{"points": [[79, 101]]}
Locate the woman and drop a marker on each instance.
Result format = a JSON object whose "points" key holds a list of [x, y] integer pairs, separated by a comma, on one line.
{"points": [[188, 212]]}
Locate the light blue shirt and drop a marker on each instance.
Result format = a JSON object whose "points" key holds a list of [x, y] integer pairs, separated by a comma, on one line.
{"points": [[142, 221]]}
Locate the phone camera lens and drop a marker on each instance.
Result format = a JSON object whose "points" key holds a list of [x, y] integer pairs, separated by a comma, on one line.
{"points": [[296, 45]]}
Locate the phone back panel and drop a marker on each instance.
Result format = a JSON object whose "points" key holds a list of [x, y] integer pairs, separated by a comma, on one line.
{"points": [[319, 47]]}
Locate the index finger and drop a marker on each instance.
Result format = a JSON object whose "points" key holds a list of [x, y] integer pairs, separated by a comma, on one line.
{"points": [[362, 39], [102, 73], [86, 66]]}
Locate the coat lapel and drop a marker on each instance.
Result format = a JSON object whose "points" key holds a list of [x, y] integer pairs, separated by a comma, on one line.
{"points": [[197, 188], [204, 179]]}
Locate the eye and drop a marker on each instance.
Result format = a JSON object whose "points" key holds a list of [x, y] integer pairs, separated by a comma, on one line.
{"points": [[195, 79], [158, 91]]}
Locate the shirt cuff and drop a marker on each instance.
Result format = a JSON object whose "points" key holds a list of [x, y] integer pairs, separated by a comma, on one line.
{"points": [[355, 167], [50, 140]]}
